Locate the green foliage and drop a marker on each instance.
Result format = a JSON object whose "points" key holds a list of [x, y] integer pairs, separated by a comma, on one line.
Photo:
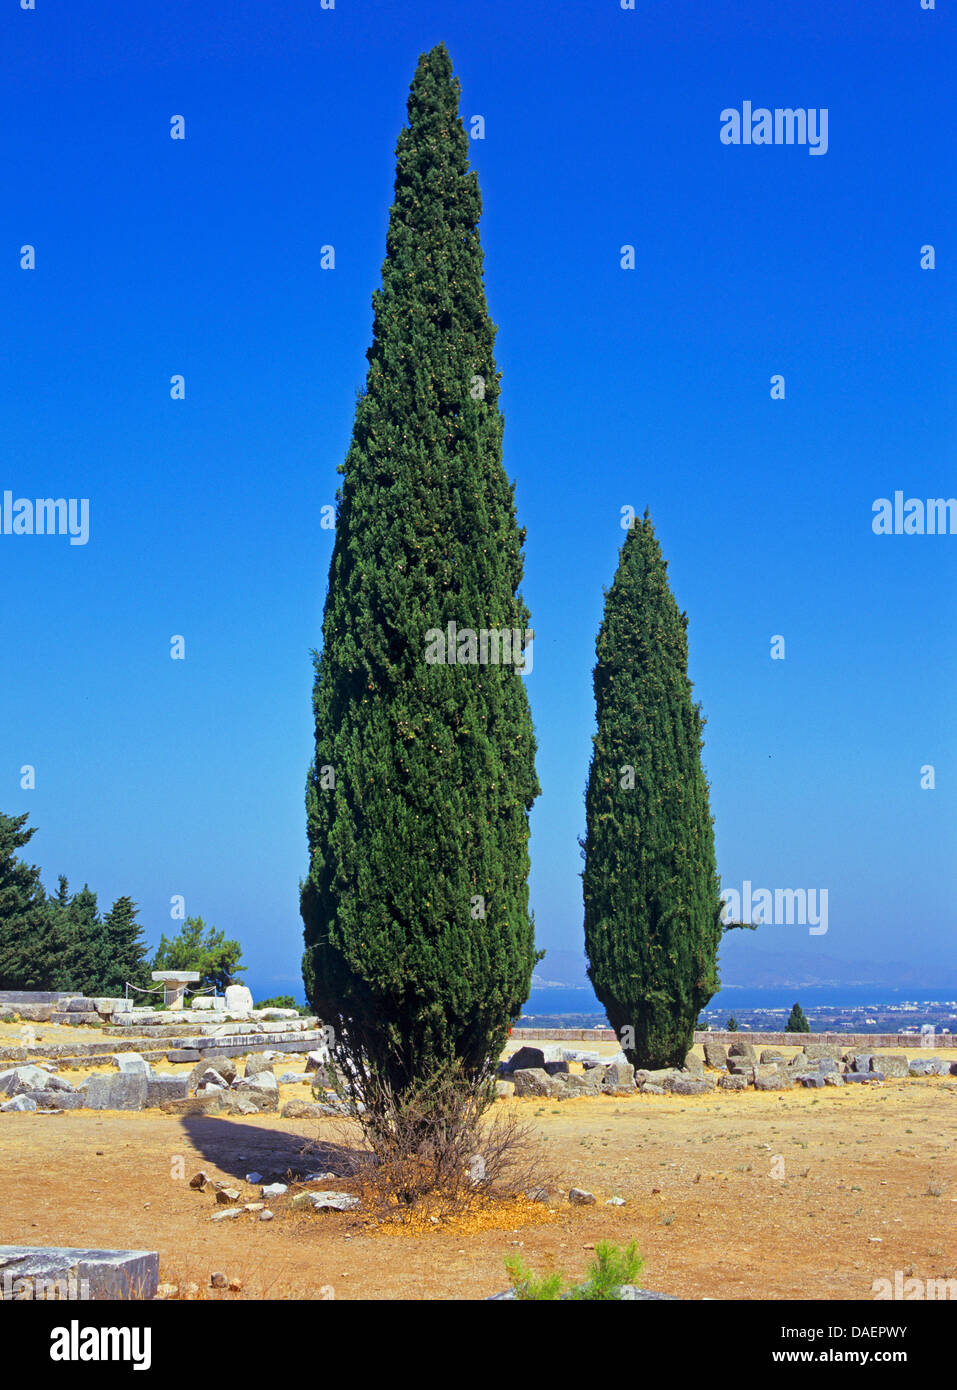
{"points": [[652, 903], [529, 1287], [418, 937], [61, 943], [610, 1268], [732, 1025], [283, 1001], [85, 959], [28, 943], [126, 954], [202, 948], [797, 1021]]}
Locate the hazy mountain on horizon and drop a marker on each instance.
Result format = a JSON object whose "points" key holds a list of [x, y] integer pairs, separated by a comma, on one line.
{"points": [[745, 965]]}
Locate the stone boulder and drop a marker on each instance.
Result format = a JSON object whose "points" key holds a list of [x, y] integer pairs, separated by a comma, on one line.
{"points": [[892, 1064], [691, 1086], [694, 1064], [526, 1059], [716, 1055], [729, 1082], [239, 999], [19, 1102], [256, 1081], [120, 1091], [164, 1086], [302, 1110], [535, 1081], [928, 1066], [618, 1076], [239, 1103], [579, 1197], [57, 1100], [581, 1084], [224, 1065], [742, 1051], [57, 1083], [661, 1076], [259, 1062], [773, 1081], [211, 1079], [36, 1013], [19, 1080], [326, 1201]]}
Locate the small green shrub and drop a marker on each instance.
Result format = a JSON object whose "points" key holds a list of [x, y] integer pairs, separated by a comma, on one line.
{"points": [[529, 1288], [610, 1268]]}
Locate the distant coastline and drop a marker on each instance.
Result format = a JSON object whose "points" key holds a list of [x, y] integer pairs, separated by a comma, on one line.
{"points": [[829, 1008]]}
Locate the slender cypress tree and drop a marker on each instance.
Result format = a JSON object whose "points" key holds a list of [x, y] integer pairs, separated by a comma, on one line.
{"points": [[124, 953], [652, 905], [797, 1021], [419, 943]]}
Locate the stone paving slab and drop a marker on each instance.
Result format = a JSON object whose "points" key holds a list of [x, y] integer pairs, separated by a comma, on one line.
{"points": [[77, 1273]]}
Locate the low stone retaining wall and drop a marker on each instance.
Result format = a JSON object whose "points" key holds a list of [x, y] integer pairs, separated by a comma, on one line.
{"points": [[571, 1034]]}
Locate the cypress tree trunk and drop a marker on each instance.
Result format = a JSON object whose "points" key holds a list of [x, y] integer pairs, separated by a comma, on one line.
{"points": [[419, 944], [652, 904]]}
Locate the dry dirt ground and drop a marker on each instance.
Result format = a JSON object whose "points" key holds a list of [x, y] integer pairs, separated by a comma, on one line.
{"points": [[753, 1195]]}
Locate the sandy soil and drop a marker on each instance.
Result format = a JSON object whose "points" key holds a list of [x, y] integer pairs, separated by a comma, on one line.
{"points": [[802, 1194]]}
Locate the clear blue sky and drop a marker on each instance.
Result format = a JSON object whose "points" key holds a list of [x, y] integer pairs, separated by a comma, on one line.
{"points": [[644, 387]]}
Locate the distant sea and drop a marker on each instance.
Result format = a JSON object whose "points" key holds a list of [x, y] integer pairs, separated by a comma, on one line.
{"points": [[580, 1000], [559, 999]]}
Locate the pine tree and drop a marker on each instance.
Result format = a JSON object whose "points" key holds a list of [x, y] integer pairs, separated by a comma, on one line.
{"points": [[652, 907], [124, 949], [202, 948], [419, 942], [27, 960], [797, 1021], [84, 962]]}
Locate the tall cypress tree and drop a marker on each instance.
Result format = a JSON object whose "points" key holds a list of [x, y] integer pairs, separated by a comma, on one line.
{"points": [[124, 950], [652, 905], [419, 943]]}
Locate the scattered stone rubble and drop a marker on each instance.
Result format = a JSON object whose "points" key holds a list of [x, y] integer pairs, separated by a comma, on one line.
{"points": [[545, 1072]]}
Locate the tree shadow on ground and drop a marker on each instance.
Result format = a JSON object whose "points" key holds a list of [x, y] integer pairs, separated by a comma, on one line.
{"points": [[238, 1149]]}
